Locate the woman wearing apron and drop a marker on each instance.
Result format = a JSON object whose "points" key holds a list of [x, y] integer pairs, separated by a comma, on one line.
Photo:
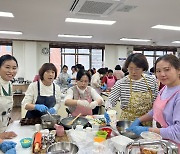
{"points": [[167, 105], [8, 70], [137, 91], [43, 95], [81, 98], [109, 79]]}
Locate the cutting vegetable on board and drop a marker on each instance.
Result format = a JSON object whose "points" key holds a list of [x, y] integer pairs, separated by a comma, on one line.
{"points": [[82, 98]]}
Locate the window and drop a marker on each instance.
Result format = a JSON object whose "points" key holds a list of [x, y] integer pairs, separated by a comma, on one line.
{"points": [[5, 49], [152, 56], [90, 58]]}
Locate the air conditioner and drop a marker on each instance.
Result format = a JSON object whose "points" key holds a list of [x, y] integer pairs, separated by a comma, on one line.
{"points": [[95, 7]]}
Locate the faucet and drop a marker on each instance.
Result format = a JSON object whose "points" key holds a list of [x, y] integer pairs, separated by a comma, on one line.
{"points": [[169, 147]]}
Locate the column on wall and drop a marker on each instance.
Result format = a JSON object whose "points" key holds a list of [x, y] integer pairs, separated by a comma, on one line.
{"points": [[29, 57], [114, 52]]}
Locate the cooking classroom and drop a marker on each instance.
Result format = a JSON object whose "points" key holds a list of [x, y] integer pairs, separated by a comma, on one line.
{"points": [[89, 77]]}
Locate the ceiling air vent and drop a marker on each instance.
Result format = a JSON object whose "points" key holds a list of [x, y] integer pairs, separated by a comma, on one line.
{"points": [[95, 7]]}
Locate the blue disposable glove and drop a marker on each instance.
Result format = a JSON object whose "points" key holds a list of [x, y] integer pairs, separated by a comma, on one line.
{"points": [[51, 110], [11, 151], [106, 115], [41, 107], [105, 86], [139, 129], [136, 122], [69, 80], [6, 145]]}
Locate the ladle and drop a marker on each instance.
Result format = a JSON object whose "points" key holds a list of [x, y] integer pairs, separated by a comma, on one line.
{"points": [[51, 116]]}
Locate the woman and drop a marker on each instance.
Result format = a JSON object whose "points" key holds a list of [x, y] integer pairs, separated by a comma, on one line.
{"points": [[118, 73], [63, 79], [79, 97], [167, 105], [96, 79], [8, 70], [109, 79], [136, 91], [42, 96]]}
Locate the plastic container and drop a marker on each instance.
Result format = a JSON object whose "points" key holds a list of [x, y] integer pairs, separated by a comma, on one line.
{"points": [[99, 139], [26, 142], [102, 134], [108, 130]]}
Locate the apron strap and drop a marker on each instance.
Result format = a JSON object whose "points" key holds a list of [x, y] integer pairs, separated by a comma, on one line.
{"points": [[9, 91], [38, 85], [53, 89], [146, 84]]}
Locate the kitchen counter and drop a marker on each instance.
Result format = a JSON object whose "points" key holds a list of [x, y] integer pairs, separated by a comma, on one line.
{"points": [[26, 131], [21, 131]]}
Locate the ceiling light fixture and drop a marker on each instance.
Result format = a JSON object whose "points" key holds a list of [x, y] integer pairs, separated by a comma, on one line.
{"points": [[175, 42], [75, 36], [6, 14], [10, 32], [167, 27], [90, 21], [134, 40]]}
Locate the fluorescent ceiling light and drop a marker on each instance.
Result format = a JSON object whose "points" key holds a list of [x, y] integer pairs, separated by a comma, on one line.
{"points": [[10, 32], [6, 14], [167, 27], [90, 21], [135, 40], [175, 42], [75, 36]]}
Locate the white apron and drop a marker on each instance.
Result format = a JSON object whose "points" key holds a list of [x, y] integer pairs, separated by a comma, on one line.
{"points": [[6, 104]]}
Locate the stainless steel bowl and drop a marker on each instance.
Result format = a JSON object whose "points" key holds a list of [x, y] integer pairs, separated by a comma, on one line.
{"points": [[62, 148], [48, 121], [121, 127]]}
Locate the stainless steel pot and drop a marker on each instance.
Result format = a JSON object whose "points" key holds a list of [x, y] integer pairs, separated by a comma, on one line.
{"points": [[48, 121], [121, 127], [62, 148], [78, 121]]}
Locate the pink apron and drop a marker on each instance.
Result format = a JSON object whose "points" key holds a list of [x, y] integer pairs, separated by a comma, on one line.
{"points": [[158, 108], [81, 109], [110, 82]]}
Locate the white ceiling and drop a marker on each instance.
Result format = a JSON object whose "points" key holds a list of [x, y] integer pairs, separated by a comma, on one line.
{"points": [[45, 19]]}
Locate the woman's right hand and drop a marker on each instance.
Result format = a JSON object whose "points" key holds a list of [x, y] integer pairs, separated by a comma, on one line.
{"points": [[8, 135], [41, 107]]}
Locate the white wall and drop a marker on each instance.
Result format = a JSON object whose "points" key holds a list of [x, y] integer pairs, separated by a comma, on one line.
{"points": [[29, 57], [114, 52]]}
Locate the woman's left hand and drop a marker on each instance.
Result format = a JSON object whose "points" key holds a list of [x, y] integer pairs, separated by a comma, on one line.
{"points": [[8, 135], [93, 104], [139, 129]]}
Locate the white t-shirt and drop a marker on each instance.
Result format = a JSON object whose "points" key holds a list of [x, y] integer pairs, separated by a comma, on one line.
{"points": [[32, 93]]}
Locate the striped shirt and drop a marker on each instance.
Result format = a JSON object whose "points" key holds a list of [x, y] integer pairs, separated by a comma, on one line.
{"points": [[121, 89]]}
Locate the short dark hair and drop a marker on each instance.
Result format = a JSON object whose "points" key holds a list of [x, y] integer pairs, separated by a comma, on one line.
{"points": [[45, 67], [7, 57], [81, 73], [65, 66], [102, 71], [173, 60], [118, 67], [110, 71], [138, 59]]}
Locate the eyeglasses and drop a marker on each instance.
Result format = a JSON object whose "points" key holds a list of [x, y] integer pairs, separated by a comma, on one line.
{"points": [[135, 69]]}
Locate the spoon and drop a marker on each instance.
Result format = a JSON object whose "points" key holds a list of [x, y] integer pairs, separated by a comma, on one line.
{"points": [[51, 116], [71, 122]]}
